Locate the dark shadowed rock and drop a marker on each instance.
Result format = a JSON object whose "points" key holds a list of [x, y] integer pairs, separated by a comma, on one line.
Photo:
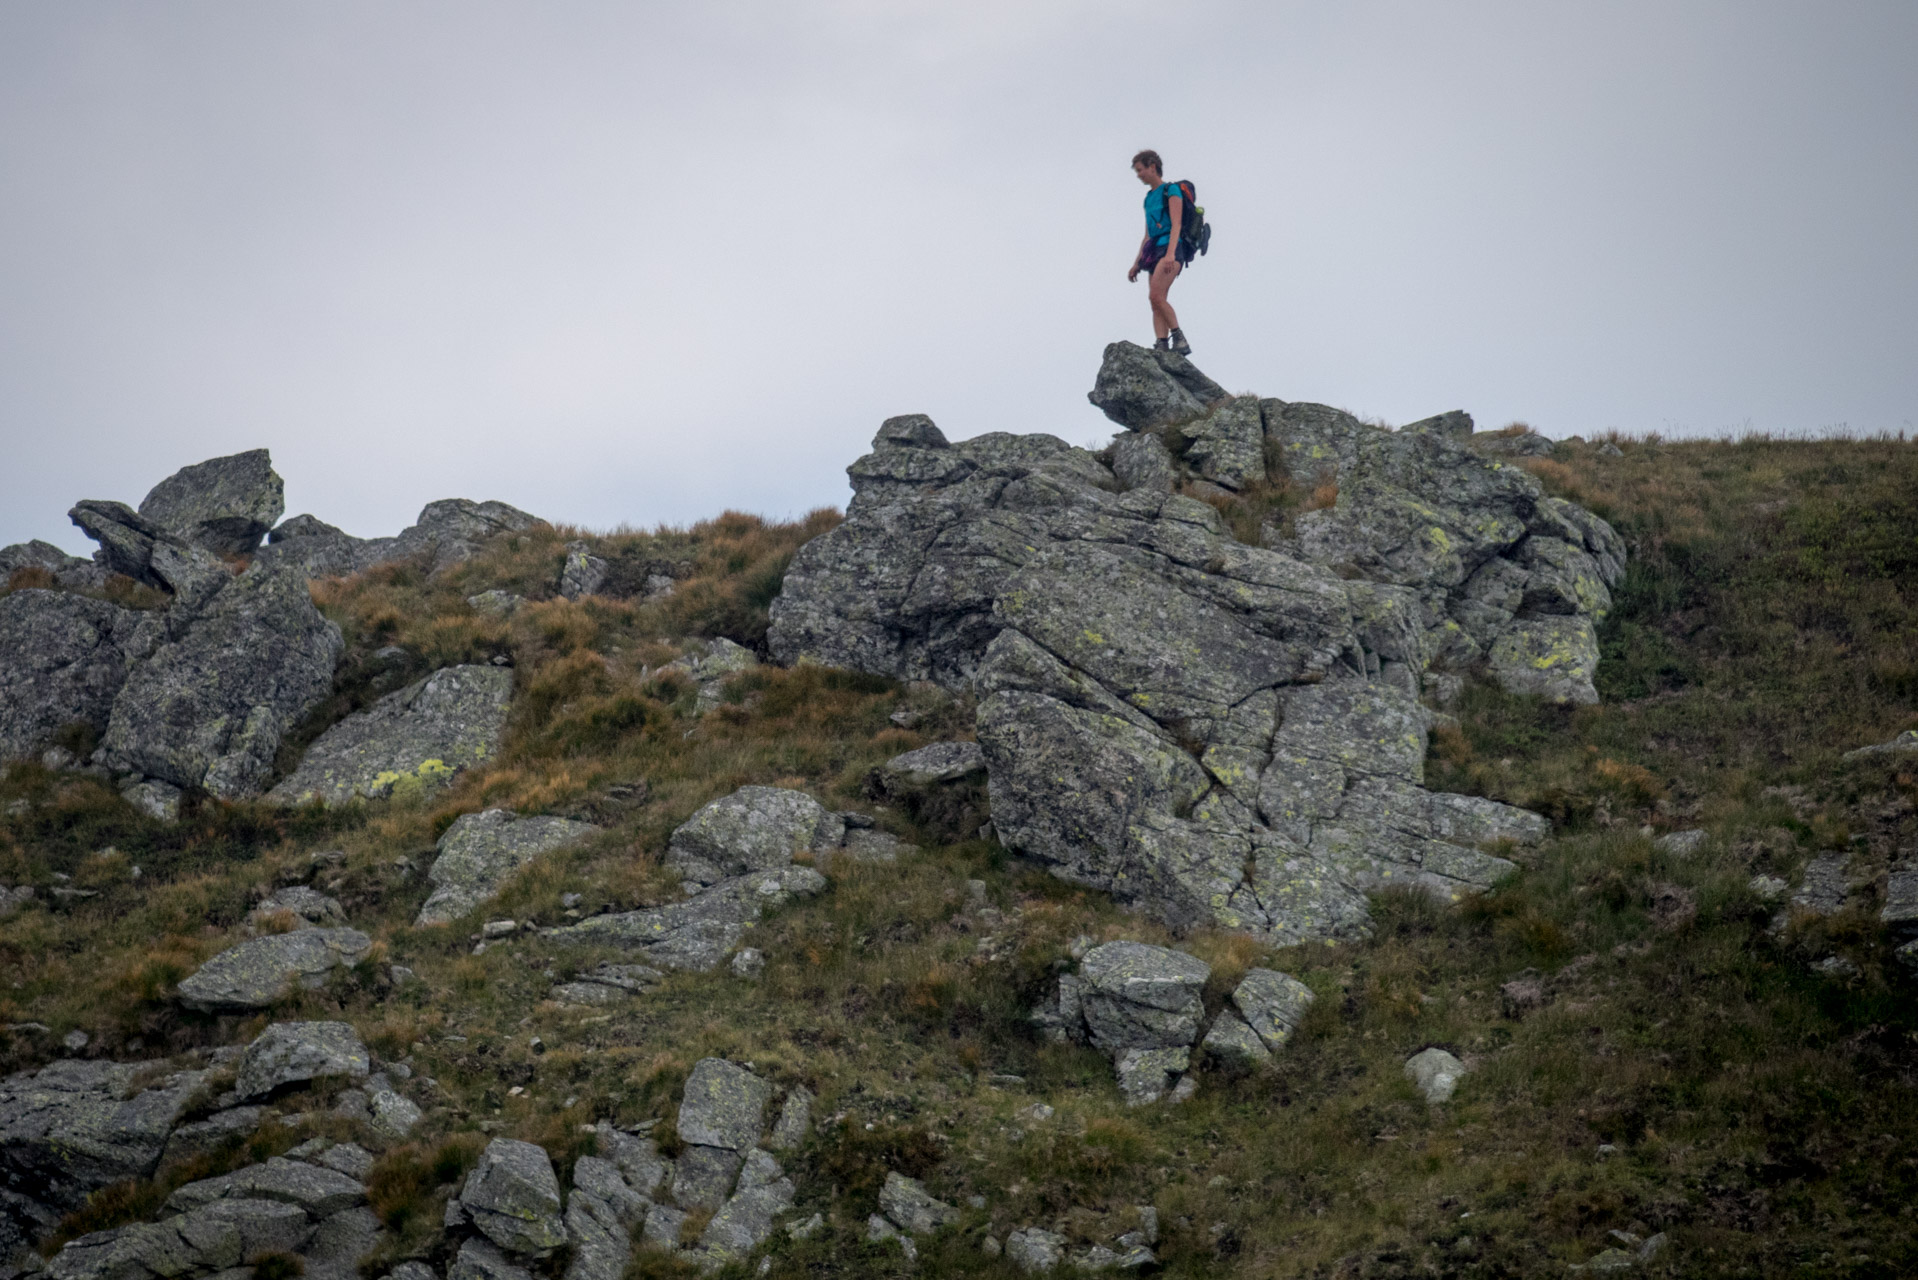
{"points": [[63, 659], [746, 1220], [703, 1176], [70, 572], [289, 1053], [480, 850], [209, 708], [416, 739], [911, 1207], [75, 1126], [583, 573], [261, 971], [224, 505]]}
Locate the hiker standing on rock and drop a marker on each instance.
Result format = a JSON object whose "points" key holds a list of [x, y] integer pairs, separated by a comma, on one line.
{"points": [[1162, 253]]}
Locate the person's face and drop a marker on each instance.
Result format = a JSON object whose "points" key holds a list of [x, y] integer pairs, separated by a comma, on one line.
{"points": [[1148, 176]]}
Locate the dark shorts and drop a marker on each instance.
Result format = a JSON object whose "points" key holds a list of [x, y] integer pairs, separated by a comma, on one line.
{"points": [[1153, 252]]}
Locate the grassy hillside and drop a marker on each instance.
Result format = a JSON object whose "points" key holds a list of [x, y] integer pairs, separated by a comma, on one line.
{"points": [[1688, 1070]]}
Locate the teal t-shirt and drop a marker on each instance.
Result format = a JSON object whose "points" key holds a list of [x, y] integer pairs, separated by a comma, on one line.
{"points": [[1158, 216]]}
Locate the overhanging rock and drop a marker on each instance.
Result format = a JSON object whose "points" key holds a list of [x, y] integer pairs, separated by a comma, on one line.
{"points": [[1229, 734]]}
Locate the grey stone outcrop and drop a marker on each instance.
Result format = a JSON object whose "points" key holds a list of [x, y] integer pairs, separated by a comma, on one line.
{"points": [[1904, 742], [481, 850], [410, 741], [602, 1213], [940, 762], [698, 933], [224, 505], [512, 1196], [75, 1126], [723, 1106], [913, 1209], [132, 545], [1148, 1075], [1140, 460], [1035, 1250], [1142, 389], [753, 829], [213, 1238], [704, 1176], [307, 906], [208, 708], [746, 1220], [481, 1259], [319, 1191], [259, 972], [1228, 734], [191, 1141], [69, 572], [1900, 912], [447, 533], [583, 573], [639, 1161], [795, 1120], [712, 665], [290, 1053], [63, 660], [1233, 1044]]}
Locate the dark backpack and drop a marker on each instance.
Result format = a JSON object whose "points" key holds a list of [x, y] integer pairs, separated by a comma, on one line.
{"points": [[1195, 233]]}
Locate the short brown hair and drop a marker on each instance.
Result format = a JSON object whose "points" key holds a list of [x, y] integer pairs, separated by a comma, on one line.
{"points": [[1150, 159]]}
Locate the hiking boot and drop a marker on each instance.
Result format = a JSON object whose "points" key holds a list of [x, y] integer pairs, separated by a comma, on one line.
{"points": [[1163, 344], [1179, 344]]}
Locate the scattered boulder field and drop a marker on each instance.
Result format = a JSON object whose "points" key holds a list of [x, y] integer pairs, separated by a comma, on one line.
{"points": [[1198, 672]]}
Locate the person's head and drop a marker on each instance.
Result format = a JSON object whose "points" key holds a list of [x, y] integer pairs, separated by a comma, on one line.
{"points": [[1149, 167]]}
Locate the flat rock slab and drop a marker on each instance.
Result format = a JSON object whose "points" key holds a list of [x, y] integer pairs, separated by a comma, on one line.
{"points": [[512, 1196], [723, 1105], [911, 1207], [289, 1053], [481, 850], [321, 1192], [698, 933], [261, 971], [410, 741], [940, 762], [1272, 1004], [1903, 743]]}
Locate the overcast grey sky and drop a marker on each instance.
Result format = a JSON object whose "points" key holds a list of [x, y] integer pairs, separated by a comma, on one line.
{"points": [[633, 263]]}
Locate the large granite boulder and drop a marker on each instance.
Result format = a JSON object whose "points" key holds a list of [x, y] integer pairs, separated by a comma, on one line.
{"points": [[208, 708], [1141, 388], [63, 659], [224, 505], [1229, 734], [260, 972], [1137, 996], [415, 739], [481, 850], [721, 1115], [512, 1196]]}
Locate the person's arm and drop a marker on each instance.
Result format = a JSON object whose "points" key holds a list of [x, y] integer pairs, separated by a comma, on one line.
{"points": [[1139, 258], [1175, 210]]}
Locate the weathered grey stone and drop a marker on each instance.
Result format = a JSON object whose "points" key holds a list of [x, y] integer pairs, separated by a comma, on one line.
{"points": [[602, 1180], [212, 1238], [480, 850], [723, 1105], [1553, 658], [703, 1176], [698, 933], [1436, 1073], [1138, 996], [1233, 1044], [415, 739], [1140, 460], [583, 573], [1510, 443], [795, 1120], [450, 531], [608, 983], [348, 1158], [940, 762], [481, 1260], [191, 1141], [753, 829], [1906, 741], [864, 844], [308, 906], [337, 1245], [393, 1114], [224, 505], [412, 1271], [512, 1196], [1900, 913], [746, 1220], [63, 659], [1141, 388], [1825, 885], [1228, 445], [663, 1225], [1146, 1075], [499, 602], [1272, 1004], [75, 1126], [261, 971], [144, 551], [295, 1052], [1681, 844], [1034, 1249], [310, 546], [1455, 425], [914, 1209], [70, 572], [601, 1215], [638, 1159], [209, 708], [320, 1192], [157, 800]]}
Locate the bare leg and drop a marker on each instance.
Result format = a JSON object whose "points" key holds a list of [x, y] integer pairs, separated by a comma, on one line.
{"points": [[1164, 318]]}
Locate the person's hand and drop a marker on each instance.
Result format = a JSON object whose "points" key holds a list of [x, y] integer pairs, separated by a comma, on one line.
{"points": [[1133, 274]]}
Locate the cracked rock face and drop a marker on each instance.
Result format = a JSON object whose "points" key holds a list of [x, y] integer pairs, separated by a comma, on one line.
{"points": [[63, 659], [209, 708], [512, 1196], [1226, 733], [415, 739]]}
